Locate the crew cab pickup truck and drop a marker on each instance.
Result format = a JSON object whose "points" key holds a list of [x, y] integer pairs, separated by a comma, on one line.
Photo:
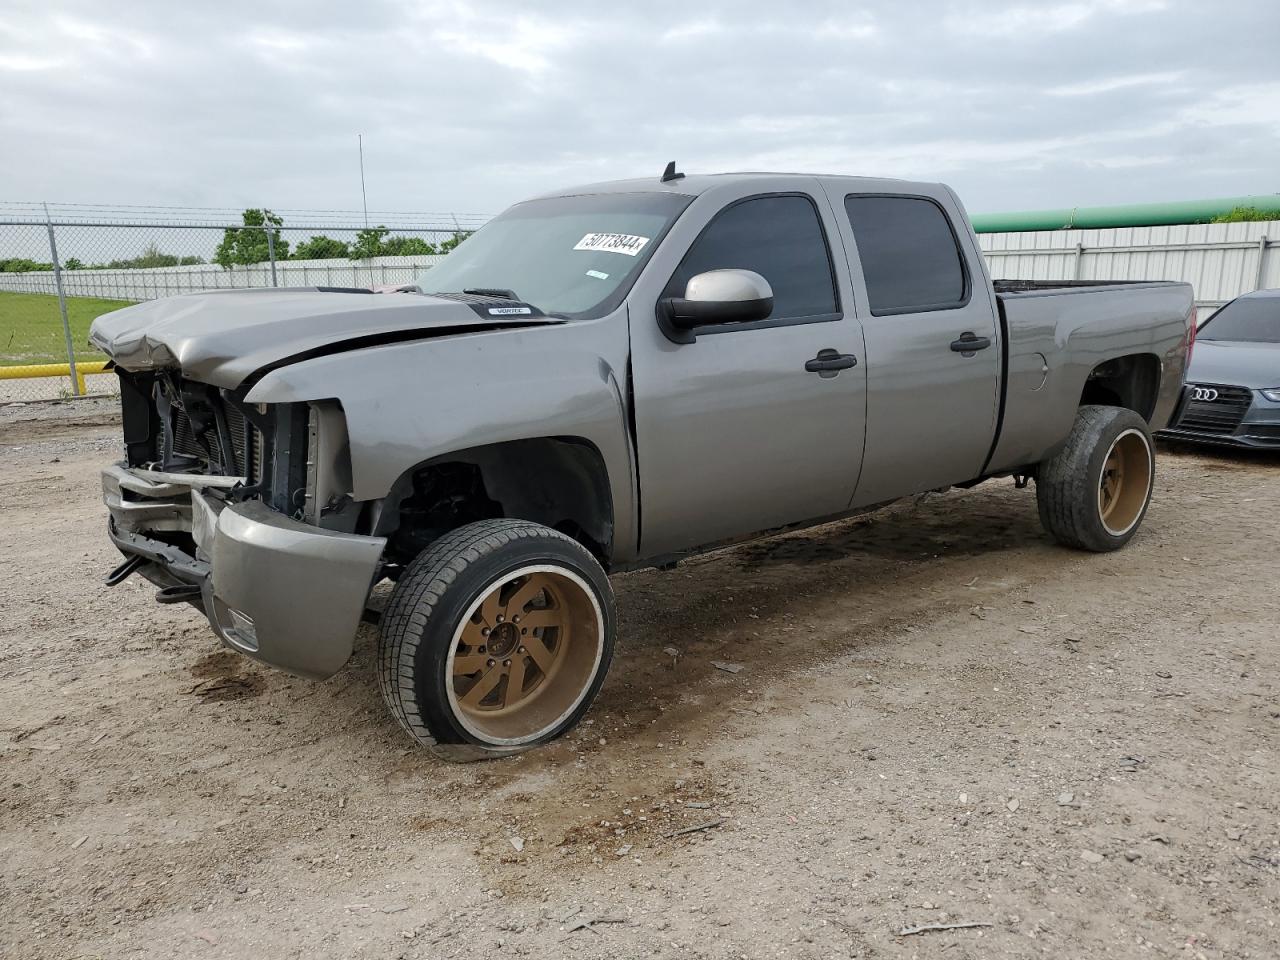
{"points": [[607, 377]]}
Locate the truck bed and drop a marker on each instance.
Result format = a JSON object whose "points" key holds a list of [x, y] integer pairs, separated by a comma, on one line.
{"points": [[1009, 287], [1005, 288], [1056, 331]]}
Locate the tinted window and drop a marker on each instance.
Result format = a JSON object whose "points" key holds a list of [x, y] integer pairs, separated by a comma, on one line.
{"points": [[1255, 319], [779, 238], [909, 255]]}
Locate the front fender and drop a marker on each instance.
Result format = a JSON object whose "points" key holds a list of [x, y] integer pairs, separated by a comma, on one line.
{"points": [[410, 402]]}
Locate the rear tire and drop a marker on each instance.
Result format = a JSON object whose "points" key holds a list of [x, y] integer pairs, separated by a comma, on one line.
{"points": [[496, 639], [1094, 493]]}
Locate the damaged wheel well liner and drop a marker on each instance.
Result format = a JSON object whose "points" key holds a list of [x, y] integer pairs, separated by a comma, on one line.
{"points": [[560, 482], [1131, 381]]}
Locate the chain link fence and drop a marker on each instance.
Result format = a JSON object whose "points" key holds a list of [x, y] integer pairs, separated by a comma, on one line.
{"points": [[62, 267]]}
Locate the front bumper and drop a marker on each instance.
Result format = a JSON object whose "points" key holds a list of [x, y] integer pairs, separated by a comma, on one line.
{"points": [[284, 592], [1264, 436]]}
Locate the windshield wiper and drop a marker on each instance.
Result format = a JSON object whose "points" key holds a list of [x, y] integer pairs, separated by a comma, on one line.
{"points": [[502, 292]]}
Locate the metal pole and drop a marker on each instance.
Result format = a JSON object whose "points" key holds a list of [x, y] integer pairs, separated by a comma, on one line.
{"points": [[62, 303], [363, 199], [1079, 260], [1261, 277], [271, 246]]}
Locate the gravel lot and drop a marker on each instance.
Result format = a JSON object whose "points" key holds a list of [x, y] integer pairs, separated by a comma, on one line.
{"points": [[940, 718]]}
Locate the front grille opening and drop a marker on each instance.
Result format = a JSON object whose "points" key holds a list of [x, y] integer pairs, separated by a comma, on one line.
{"points": [[247, 444], [160, 434], [1220, 416]]}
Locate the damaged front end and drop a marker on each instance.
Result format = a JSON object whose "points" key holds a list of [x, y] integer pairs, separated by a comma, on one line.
{"points": [[245, 512]]}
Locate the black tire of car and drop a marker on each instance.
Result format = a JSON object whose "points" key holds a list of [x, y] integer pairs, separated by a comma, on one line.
{"points": [[426, 609], [1067, 484]]}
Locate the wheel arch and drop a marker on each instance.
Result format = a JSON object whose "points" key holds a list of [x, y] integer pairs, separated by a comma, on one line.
{"points": [[561, 482], [1131, 381]]}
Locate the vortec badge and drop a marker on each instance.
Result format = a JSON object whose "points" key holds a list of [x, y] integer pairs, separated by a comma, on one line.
{"points": [[509, 311]]}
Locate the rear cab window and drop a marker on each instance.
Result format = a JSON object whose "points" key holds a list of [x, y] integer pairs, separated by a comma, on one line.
{"points": [[910, 255]]}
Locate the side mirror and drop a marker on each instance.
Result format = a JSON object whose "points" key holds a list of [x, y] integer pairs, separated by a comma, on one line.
{"points": [[715, 297]]}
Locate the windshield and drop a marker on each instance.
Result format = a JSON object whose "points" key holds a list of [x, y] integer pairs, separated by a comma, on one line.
{"points": [[567, 256], [1254, 319]]}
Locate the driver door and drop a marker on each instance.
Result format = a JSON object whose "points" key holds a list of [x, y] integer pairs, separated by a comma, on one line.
{"points": [[733, 434]]}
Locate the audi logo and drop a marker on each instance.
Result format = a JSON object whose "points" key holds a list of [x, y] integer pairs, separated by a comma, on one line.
{"points": [[1206, 394]]}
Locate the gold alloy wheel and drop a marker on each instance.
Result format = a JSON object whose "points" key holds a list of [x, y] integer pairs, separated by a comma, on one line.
{"points": [[1126, 482], [525, 655]]}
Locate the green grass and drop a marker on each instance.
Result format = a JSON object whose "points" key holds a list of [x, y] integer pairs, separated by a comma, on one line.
{"points": [[31, 327]]}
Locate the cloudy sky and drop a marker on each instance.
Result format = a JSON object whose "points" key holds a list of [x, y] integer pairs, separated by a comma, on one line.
{"points": [[468, 106]]}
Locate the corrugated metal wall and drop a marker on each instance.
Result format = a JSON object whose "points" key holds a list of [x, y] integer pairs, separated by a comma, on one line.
{"points": [[1220, 260]]}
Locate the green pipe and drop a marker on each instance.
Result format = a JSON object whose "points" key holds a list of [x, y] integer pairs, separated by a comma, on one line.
{"points": [[1124, 215]]}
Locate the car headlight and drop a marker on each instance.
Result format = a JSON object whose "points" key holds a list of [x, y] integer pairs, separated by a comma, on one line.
{"points": [[1272, 394]]}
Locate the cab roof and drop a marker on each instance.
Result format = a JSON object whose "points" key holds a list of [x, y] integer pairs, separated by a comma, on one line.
{"points": [[698, 183]]}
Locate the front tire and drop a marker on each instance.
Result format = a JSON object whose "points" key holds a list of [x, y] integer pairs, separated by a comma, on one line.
{"points": [[496, 639], [1094, 493]]}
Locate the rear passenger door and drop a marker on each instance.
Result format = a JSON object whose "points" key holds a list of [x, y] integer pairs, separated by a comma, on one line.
{"points": [[932, 349]]}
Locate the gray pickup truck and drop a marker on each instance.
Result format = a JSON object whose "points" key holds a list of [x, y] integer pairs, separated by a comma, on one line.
{"points": [[605, 378]]}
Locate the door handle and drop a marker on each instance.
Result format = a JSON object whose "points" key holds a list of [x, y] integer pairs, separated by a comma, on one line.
{"points": [[968, 344], [828, 363]]}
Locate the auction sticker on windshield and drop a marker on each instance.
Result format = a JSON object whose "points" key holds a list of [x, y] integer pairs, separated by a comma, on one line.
{"points": [[623, 243]]}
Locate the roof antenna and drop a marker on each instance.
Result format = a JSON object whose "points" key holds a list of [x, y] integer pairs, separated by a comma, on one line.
{"points": [[670, 174]]}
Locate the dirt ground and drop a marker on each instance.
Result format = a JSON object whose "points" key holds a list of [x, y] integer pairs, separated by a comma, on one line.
{"points": [[940, 718]]}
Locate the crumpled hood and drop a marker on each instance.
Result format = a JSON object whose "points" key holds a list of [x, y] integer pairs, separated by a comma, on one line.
{"points": [[1255, 365], [222, 337]]}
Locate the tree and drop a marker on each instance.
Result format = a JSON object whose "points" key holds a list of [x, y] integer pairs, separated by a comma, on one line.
{"points": [[1244, 215], [456, 239], [321, 248], [248, 244], [377, 242], [368, 243], [407, 247], [73, 263], [151, 256], [22, 265]]}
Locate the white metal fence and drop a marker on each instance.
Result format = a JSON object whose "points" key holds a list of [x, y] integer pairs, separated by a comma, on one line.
{"points": [[99, 268], [150, 283], [1219, 260]]}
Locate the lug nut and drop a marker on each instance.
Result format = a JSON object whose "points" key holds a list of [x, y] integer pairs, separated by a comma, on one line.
{"points": [[499, 618], [484, 631], [490, 663], [516, 618], [520, 650], [480, 649], [506, 663]]}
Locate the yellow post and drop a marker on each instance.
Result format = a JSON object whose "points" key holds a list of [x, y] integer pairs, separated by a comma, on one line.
{"points": [[32, 371]]}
